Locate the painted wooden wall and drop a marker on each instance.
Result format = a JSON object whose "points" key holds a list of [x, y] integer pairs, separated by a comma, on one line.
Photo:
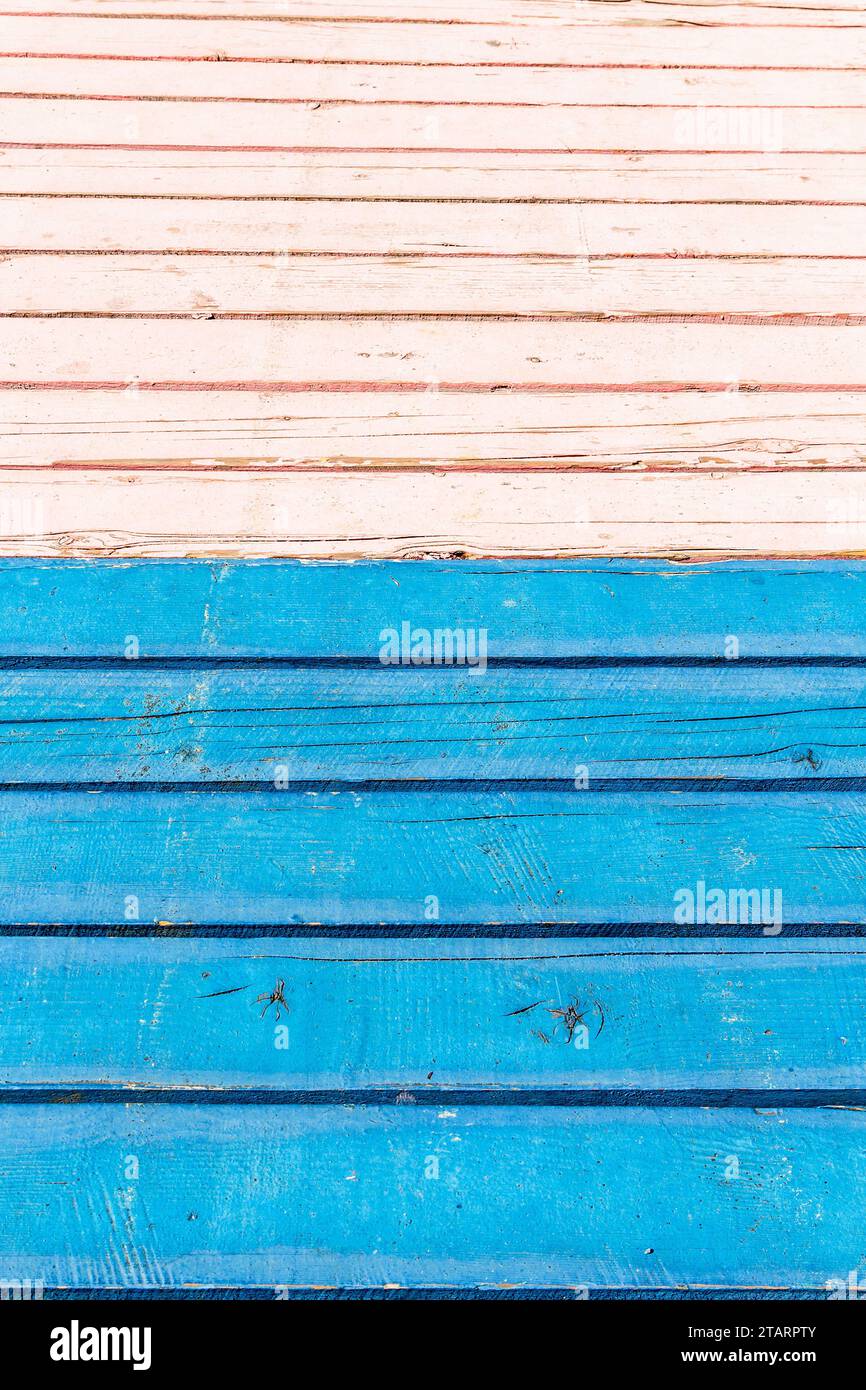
{"points": [[540, 973], [323, 972], [409, 277]]}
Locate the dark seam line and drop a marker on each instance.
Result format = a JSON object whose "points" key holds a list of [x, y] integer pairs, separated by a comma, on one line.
{"points": [[656, 1098], [326, 786], [373, 663], [546, 1293], [428, 931]]}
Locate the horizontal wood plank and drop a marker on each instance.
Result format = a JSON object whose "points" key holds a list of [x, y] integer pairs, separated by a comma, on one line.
{"points": [[483, 356], [514, 87], [334, 125], [420, 725], [573, 231], [427, 513], [675, 176], [420, 1016], [543, 13], [546, 610], [541, 1197], [577, 45], [757, 291], [349, 857], [718, 430]]}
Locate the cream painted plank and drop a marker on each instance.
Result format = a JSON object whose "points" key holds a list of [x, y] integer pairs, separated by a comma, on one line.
{"points": [[505, 12], [348, 227], [250, 430], [674, 177], [369, 83], [780, 45], [142, 284], [332, 125], [351, 515], [420, 353], [707, 431]]}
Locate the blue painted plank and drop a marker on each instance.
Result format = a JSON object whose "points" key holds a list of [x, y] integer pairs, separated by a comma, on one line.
{"points": [[154, 725], [166, 1196], [426, 1015], [293, 857], [548, 609]]}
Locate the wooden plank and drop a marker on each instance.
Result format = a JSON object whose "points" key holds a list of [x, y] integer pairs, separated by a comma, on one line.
{"points": [[543, 1197], [391, 354], [174, 80], [574, 45], [332, 125], [260, 429], [784, 13], [509, 857], [587, 245], [675, 176], [422, 512], [574, 231], [416, 1016], [284, 610], [758, 291], [423, 725]]}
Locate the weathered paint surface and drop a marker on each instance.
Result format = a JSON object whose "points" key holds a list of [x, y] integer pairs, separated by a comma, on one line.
{"points": [[233, 725], [388, 961], [416, 1016], [606, 611], [492, 855], [403, 280], [356, 950], [331, 1195]]}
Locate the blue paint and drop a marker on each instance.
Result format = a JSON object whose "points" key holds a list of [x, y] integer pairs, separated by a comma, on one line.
{"points": [[249, 1195], [155, 885], [381, 857], [540, 608], [661, 1023], [803, 726], [528, 1293]]}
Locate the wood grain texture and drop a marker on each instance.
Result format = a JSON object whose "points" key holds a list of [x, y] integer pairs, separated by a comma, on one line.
{"points": [[781, 13], [344, 280], [359, 513], [579, 1180], [393, 355], [336, 988], [574, 231], [672, 177], [408, 127], [623, 40], [472, 237], [508, 85], [499, 855], [206, 286], [420, 726], [253, 430], [423, 1016], [635, 612]]}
